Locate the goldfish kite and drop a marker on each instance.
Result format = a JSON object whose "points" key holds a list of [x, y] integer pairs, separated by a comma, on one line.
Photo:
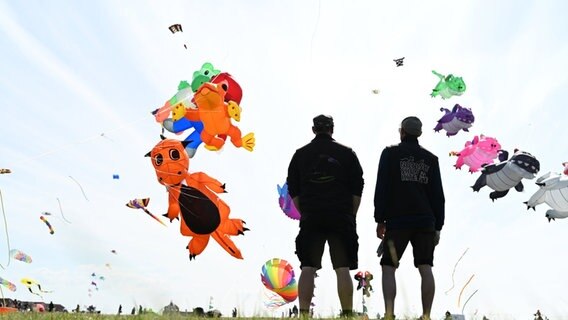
{"points": [[142, 204], [42, 218], [480, 151], [448, 86], [508, 173], [286, 203], [192, 197], [459, 118], [364, 282], [277, 275], [8, 284], [20, 256], [30, 283], [554, 192]]}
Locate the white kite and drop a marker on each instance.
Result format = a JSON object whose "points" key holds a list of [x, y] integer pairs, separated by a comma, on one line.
{"points": [[554, 192]]}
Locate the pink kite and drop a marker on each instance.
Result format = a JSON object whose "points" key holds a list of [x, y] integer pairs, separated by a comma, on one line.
{"points": [[480, 151], [286, 203], [565, 164]]}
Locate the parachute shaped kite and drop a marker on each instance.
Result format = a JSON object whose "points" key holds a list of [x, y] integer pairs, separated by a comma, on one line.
{"points": [[8, 284], [448, 86], [286, 203], [19, 255], [364, 282], [192, 197], [459, 118], [175, 28], [31, 283], [278, 276], [480, 151], [508, 174], [216, 115], [51, 230], [554, 192], [142, 204]]}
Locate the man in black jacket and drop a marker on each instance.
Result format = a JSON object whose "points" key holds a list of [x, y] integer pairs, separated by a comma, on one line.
{"points": [[409, 207], [325, 181]]}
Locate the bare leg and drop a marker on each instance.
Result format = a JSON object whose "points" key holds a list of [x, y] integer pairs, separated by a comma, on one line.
{"points": [[345, 290], [389, 290], [306, 288], [428, 289]]}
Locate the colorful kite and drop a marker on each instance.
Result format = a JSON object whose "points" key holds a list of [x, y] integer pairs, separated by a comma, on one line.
{"points": [[184, 116], [286, 203], [20, 256], [278, 276], [142, 204], [8, 284], [364, 282], [565, 164], [554, 192], [508, 174], [192, 197], [216, 115], [30, 283], [459, 118], [480, 151], [448, 86], [5, 171], [51, 230]]}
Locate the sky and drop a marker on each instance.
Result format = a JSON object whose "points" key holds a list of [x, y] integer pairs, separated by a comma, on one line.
{"points": [[78, 81]]}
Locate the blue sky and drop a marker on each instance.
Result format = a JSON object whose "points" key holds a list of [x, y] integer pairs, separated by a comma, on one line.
{"points": [[72, 71]]}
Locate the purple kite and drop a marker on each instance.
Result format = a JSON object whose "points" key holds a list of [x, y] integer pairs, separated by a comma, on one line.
{"points": [[459, 118], [286, 203]]}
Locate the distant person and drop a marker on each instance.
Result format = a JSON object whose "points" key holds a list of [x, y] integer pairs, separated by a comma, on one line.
{"points": [[77, 309], [140, 311], [325, 181], [409, 207], [133, 311], [234, 312], [119, 309], [50, 306], [295, 311]]}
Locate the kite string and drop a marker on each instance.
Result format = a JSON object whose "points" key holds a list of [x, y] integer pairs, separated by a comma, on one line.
{"points": [[83, 191], [6, 230], [461, 292], [61, 210], [466, 301], [453, 272], [315, 30]]}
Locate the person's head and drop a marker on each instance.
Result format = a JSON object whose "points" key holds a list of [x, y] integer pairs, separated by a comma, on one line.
{"points": [[323, 124], [410, 127]]}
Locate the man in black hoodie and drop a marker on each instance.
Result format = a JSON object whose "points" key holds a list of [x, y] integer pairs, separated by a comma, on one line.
{"points": [[409, 207], [325, 181]]}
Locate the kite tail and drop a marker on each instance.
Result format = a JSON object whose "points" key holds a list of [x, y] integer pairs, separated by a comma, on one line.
{"points": [[461, 292], [37, 294], [5, 229], [227, 244]]}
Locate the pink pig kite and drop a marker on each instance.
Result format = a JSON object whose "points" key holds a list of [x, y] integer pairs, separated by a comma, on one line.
{"points": [[480, 151]]}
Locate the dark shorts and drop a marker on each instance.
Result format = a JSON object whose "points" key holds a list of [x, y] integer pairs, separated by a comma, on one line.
{"points": [[343, 246], [396, 241]]}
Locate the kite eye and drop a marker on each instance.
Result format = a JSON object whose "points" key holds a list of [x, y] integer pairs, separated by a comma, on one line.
{"points": [[206, 72], [159, 159], [174, 154], [225, 87]]}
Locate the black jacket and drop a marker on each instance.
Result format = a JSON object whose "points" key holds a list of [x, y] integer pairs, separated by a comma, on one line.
{"points": [[409, 189], [325, 175]]}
